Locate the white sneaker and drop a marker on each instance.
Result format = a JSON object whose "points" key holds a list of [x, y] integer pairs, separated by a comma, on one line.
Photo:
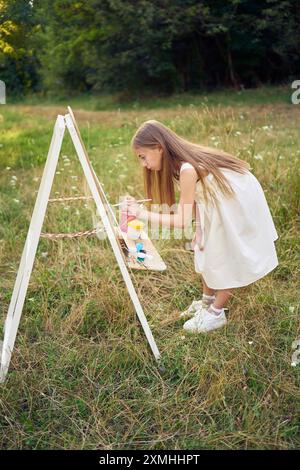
{"points": [[204, 321], [190, 312]]}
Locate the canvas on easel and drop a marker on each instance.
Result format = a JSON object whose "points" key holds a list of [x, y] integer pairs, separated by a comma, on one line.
{"points": [[34, 233]]}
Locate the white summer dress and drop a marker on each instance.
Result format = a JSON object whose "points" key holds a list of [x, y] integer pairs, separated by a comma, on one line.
{"points": [[237, 236]]}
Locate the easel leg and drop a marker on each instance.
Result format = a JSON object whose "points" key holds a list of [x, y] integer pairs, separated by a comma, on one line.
{"points": [[29, 251]]}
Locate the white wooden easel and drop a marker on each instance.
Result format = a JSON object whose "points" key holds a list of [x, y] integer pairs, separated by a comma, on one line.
{"points": [[34, 232]]}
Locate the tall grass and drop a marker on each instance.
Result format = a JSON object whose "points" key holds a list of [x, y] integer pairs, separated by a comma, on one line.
{"points": [[82, 375]]}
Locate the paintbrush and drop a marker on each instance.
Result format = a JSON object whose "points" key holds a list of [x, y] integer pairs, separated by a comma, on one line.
{"points": [[140, 200]]}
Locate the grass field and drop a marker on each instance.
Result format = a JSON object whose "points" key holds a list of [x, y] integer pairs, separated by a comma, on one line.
{"points": [[82, 375]]}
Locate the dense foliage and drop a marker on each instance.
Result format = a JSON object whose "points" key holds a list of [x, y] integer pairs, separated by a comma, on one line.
{"points": [[161, 45]]}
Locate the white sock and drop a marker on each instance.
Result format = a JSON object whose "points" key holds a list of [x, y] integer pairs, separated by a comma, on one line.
{"points": [[208, 298], [215, 311]]}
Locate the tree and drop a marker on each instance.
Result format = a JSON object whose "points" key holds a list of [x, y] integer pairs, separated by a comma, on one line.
{"points": [[18, 65], [138, 45]]}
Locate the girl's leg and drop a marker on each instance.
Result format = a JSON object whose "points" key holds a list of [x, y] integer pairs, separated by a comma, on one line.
{"points": [[206, 289], [222, 298]]}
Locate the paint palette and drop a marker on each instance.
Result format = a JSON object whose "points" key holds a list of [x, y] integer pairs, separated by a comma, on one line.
{"points": [[152, 261]]}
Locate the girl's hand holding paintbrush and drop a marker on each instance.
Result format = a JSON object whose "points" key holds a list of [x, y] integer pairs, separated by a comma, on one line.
{"points": [[134, 207]]}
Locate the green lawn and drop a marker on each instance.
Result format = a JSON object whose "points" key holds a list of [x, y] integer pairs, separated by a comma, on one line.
{"points": [[82, 375]]}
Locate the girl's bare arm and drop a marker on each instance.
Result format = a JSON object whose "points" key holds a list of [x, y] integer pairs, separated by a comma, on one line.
{"points": [[184, 215]]}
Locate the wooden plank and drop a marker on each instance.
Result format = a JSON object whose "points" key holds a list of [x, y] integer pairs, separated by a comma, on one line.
{"points": [[154, 264]]}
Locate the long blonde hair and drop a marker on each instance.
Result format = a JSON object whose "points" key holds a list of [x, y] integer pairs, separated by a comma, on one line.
{"points": [[159, 185]]}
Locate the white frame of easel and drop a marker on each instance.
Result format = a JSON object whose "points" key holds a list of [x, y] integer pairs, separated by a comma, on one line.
{"points": [[34, 232]]}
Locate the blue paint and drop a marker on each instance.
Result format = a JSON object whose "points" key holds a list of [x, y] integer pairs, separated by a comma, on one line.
{"points": [[139, 246]]}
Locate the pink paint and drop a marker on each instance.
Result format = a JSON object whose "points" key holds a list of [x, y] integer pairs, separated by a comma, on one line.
{"points": [[125, 218]]}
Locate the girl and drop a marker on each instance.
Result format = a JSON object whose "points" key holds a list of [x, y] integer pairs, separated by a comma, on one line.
{"points": [[234, 239]]}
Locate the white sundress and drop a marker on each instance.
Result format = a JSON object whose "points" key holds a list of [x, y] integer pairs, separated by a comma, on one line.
{"points": [[237, 237]]}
